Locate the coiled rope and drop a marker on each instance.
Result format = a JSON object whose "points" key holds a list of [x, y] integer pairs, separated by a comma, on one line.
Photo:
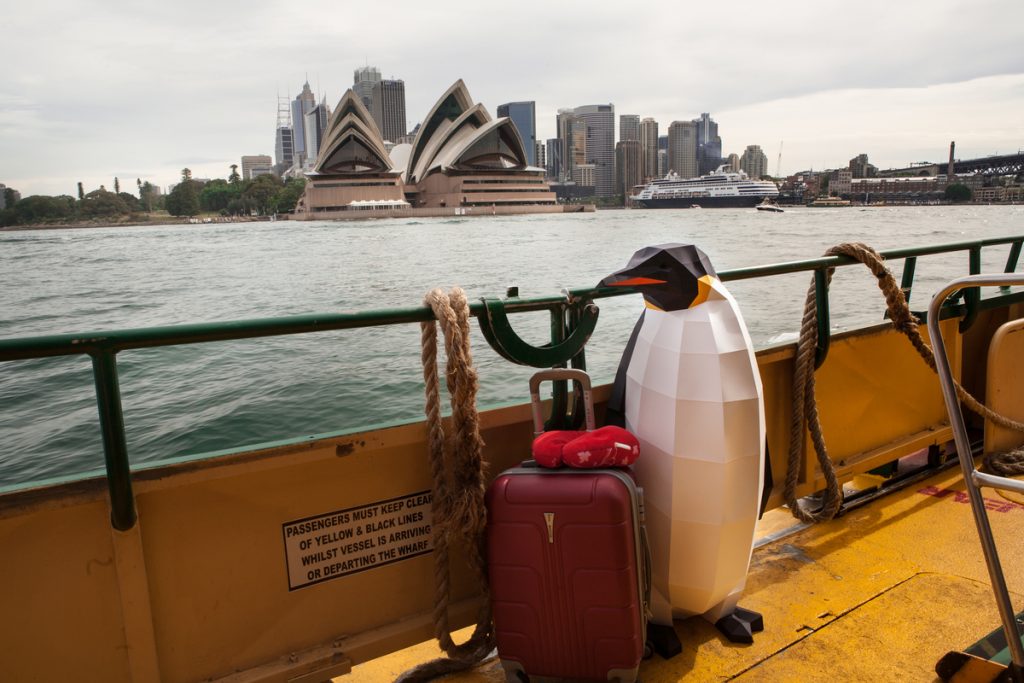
{"points": [[457, 469], [805, 406]]}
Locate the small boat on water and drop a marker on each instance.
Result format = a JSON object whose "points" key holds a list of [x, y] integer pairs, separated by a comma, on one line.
{"points": [[312, 557], [830, 202], [769, 205]]}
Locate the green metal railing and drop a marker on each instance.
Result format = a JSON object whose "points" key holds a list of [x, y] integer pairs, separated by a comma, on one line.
{"points": [[573, 317]]}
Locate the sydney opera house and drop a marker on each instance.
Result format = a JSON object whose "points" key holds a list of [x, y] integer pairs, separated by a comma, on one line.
{"points": [[461, 162]]}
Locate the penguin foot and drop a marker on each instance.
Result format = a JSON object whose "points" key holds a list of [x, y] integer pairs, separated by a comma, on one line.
{"points": [[740, 626], [664, 640]]}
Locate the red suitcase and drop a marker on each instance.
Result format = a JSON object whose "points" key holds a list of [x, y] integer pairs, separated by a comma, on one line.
{"points": [[568, 567]]}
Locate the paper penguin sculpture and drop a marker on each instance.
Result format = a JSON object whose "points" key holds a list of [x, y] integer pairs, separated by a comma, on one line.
{"points": [[690, 391]]}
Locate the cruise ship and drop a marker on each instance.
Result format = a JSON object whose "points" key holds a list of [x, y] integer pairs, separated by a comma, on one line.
{"points": [[721, 189]]}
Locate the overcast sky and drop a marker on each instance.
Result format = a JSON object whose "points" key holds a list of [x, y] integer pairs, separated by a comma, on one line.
{"points": [[90, 90]]}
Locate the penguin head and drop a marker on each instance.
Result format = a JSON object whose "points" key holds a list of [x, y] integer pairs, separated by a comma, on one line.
{"points": [[671, 277]]}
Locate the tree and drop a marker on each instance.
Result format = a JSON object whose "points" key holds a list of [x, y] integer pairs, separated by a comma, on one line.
{"points": [[103, 204], [958, 193], [288, 197], [81, 192], [217, 194], [117, 186], [11, 197], [184, 198], [147, 195], [234, 177], [263, 192], [42, 209]]}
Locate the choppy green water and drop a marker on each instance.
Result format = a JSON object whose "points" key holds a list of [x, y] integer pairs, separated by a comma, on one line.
{"points": [[199, 398]]}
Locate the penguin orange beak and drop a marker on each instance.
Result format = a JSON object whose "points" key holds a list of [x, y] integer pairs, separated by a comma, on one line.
{"points": [[632, 282]]}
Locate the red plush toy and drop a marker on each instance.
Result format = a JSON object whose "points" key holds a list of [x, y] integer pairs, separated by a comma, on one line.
{"points": [[547, 447], [605, 447]]}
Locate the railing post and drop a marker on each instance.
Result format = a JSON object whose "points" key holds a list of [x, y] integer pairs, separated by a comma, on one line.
{"points": [[907, 281], [115, 446], [972, 296], [824, 325], [1011, 261]]}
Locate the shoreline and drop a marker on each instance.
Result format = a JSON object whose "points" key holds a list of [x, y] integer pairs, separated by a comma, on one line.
{"points": [[171, 220]]}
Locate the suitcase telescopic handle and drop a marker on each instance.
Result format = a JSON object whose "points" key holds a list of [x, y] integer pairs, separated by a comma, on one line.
{"points": [[578, 376]]}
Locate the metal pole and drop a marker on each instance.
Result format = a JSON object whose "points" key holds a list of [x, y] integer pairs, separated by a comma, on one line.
{"points": [[115, 447], [963, 449]]}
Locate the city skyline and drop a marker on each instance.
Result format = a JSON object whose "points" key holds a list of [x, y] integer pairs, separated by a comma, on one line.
{"points": [[130, 98]]}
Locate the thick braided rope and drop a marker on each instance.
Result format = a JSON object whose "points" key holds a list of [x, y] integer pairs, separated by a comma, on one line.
{"points": [[803, 386], [456, 467]]}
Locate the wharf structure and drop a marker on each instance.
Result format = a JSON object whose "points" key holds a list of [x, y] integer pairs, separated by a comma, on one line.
{"points": [[461, 162]]}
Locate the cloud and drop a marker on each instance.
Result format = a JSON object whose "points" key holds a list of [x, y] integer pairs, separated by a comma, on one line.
{"points": [[159, 86]]}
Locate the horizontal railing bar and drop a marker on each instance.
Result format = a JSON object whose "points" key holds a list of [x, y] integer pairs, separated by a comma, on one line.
{"points": [[996, 482], [72, 344]]}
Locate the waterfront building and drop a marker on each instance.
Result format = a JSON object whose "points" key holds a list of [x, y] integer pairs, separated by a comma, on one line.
{"points": [[584, 175], [629, 127], [460, 158], [256, 165], [648, 134], [629, 170], [554, 157], [662, 163], [314, 126], [389, 108], [363, 80], [524, 117], [754, 162], [303, 103], [733, 162], [540, 155], [861, 168], [600, 144], [663, 142], [709, 145], [682, 149]]}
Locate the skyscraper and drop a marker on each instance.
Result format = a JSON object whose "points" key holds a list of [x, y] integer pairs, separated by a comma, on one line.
{"points": [[649, 148], [600, 144], [682, 148], [524, 116], [540, 155], [754, 162], [572, 143], [628, 167], [709, 145], [629, 127], [363, 80], [388, 109], [554, 158], [284, 143], [255, 165], [301, 105], [314, 125]]}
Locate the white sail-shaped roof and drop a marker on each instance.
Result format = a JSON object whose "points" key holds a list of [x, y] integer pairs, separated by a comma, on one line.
{"points": [[449, 133], [352, 143], [449, 107]]}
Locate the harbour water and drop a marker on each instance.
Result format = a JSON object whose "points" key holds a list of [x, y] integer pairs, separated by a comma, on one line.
{"points": [[207, 397]]}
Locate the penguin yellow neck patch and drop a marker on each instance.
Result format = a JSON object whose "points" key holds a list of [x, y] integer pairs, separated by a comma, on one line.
{"points": [[704, 286]]}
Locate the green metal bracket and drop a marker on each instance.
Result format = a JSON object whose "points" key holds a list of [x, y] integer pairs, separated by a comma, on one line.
{"points": [[972, 296], [1011, 261], [824, 325], [115, 447], [503, 339], [907, 281]]}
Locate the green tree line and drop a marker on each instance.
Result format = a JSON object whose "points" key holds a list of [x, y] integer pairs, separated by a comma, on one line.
{"points": [[263, 195]]}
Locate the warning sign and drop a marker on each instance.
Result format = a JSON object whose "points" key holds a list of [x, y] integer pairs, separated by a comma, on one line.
{"points": [[345, 542]]}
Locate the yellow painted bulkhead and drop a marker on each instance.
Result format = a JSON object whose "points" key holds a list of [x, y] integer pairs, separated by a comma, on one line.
{"points": [[212, 570]]}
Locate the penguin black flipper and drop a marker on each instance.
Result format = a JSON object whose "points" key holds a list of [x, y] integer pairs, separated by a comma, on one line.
{"points": [[741, 625], [616, 413], [769, 481]]}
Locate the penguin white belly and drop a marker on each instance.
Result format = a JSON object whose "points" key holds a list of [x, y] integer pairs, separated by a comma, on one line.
{"points": [[694, 401]]}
